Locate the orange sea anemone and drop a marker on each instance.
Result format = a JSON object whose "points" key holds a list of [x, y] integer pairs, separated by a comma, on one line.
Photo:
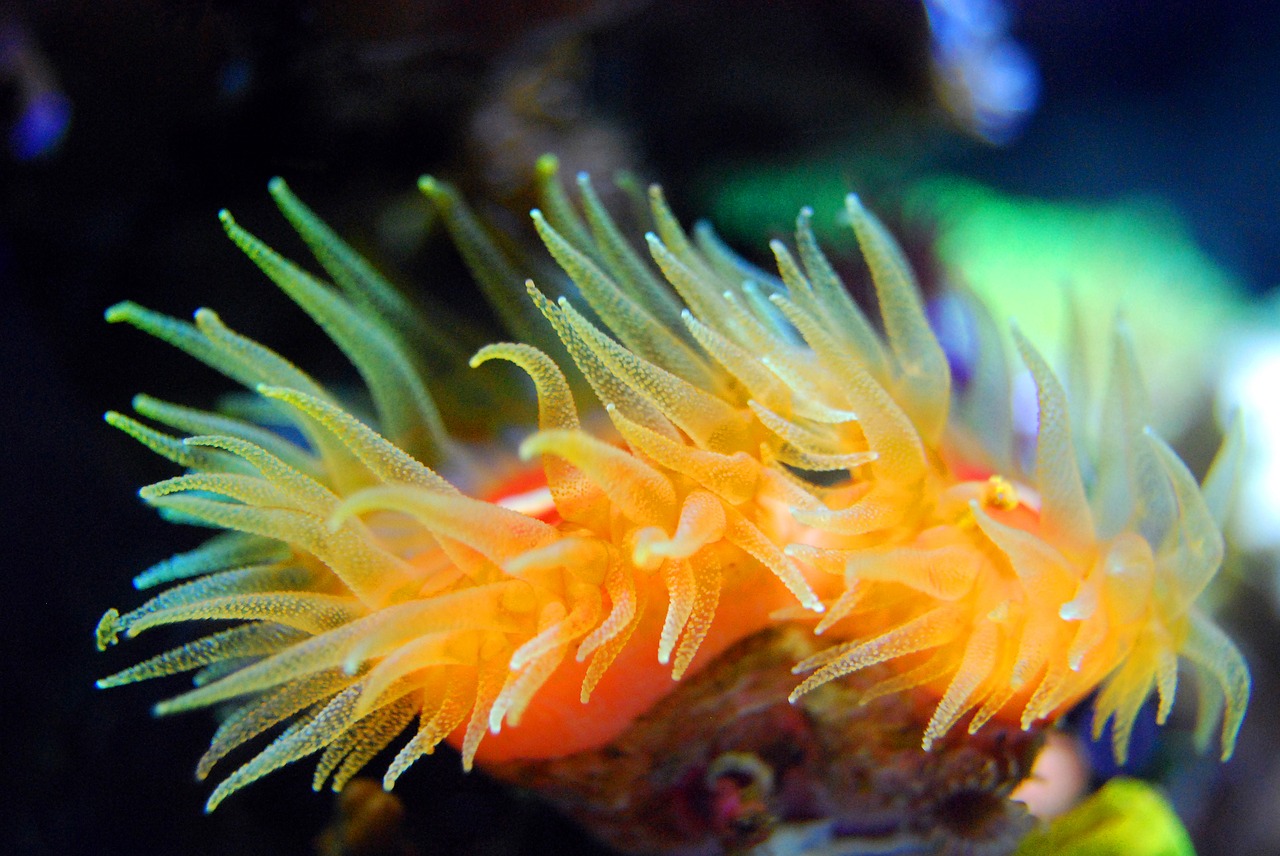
{"points": [[762, 455]]}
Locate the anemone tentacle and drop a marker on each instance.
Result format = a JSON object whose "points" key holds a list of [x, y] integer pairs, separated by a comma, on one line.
{"points": [[759, 453]]}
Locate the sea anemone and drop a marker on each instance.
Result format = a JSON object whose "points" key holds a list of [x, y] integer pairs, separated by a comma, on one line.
{"points": [[764, 456]]}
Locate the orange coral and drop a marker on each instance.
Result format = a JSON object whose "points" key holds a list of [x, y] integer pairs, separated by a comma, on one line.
{"points": [[769, 457]]}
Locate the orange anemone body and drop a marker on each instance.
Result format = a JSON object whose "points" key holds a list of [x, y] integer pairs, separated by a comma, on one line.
{"points": [[557, 724], [762, 453]]}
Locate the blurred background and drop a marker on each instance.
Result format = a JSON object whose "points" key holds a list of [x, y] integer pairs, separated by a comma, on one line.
{"points": [[1021, 147]]}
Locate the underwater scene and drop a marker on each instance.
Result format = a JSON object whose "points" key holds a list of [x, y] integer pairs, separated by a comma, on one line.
{"points": [[638, 427]]}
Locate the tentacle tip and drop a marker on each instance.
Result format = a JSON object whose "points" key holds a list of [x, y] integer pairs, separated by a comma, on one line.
{"points": [[547, 165], [646, 558], [530, 447], [276, 186], [225, 218], [117, 312], [107, 633]]}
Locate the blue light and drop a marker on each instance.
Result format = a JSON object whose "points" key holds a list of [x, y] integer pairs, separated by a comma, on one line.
{"points": [[41, 127]]}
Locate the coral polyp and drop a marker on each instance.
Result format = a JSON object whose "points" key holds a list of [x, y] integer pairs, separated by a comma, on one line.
{"points": [[762, 457]]}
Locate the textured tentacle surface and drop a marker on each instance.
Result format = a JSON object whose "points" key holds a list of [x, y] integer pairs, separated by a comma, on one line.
{"points": [[757, 452]]}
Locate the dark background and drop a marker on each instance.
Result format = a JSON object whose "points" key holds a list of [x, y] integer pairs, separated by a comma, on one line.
{"points": [[180, 109]]}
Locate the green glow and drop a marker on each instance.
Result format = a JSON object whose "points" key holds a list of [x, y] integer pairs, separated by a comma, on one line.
{"points": [[1025, 256]]}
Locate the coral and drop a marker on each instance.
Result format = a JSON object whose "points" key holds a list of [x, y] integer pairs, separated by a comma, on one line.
{"points": [[767, 456]]}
